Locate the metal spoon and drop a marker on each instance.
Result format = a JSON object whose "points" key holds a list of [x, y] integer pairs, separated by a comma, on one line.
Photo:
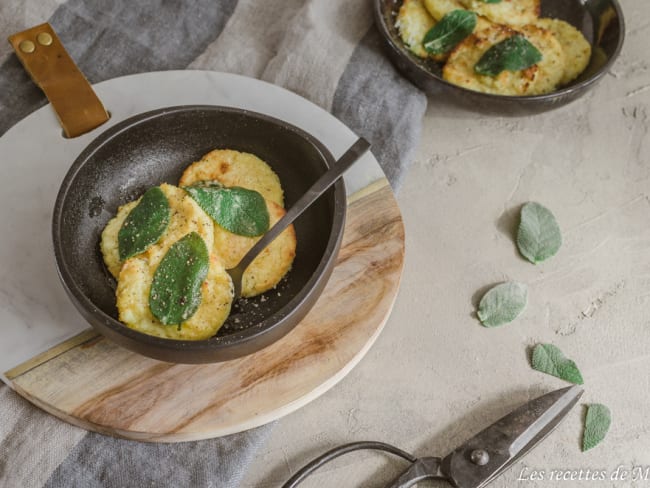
{"points": [[328, 178]]}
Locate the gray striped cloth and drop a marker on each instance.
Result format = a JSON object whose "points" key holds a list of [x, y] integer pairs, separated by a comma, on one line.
{"points": [[325, 50]]}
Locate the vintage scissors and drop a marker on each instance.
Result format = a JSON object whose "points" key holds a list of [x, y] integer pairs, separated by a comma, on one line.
{"points": [[482, 458]]}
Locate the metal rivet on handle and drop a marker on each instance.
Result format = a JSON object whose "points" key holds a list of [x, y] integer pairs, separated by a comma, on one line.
{"points": [[44, 39], [480, 457], [27, 46]]}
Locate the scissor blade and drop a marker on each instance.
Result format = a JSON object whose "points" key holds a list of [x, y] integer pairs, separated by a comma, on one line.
{"points": [[551, 408], [509, 438]]}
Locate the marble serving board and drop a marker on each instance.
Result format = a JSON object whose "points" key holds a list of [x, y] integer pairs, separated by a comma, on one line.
{"points": [[49, 354]]}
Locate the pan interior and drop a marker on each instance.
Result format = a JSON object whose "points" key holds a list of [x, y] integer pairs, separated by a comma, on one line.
{"points": [[120, 165]]}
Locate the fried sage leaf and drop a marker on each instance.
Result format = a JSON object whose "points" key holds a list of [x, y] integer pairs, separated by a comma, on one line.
{"points": [[502, 304], [597, 422], [512, 54], [452, 28], [238, 210], [145, 224], [176, 289], [491, 1], [548, 359], [539, 235]]}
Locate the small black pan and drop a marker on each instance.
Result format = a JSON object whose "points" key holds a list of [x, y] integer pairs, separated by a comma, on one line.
{"points": [[601, 22], [155, 147]]}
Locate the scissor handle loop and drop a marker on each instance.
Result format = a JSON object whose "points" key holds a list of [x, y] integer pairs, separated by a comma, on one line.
{"points": [[312, 466]]}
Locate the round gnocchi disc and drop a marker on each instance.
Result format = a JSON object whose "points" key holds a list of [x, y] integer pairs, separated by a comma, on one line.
{"points": [[540, 78], [133, 289], [577, 50], [550, 70], [508, 12], [185, 216], [234, 168], [439, 8], [413, 22]]}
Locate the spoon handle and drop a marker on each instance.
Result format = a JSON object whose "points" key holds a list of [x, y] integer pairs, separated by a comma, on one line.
{"points": [[316, 190]]}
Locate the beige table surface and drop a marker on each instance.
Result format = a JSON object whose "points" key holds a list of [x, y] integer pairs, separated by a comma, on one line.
{"points": [[435, 375]]}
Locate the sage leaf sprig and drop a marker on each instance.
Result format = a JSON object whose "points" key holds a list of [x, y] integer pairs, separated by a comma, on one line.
{"points": [[144, 225], [175, 293], [512, 54], [502, 304], [548, 359], [597, 423], [449, 31], [539, 236], [238, 210]]}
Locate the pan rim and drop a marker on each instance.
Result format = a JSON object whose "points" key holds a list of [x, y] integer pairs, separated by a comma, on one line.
{"points": [[229, 344]]}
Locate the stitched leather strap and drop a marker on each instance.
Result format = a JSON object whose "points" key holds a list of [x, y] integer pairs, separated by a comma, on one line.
{"points": [[77, 107]]}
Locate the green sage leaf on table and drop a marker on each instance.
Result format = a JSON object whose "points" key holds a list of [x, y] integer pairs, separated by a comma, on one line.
{"points": [[502, 304], [512, 54], [238, 210], [597, 422], [449, 31], [539, 235], [175, 293], [548, 359], [144, 225]]}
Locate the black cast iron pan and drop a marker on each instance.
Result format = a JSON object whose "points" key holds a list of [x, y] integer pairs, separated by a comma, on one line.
{"points": [[155, 147], [601, 22]]}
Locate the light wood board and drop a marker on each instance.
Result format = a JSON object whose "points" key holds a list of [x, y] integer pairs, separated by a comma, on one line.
{"points": [[95, 384]]}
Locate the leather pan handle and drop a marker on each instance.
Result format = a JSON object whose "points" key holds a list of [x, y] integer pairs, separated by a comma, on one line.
{"points": [[77, 107]]}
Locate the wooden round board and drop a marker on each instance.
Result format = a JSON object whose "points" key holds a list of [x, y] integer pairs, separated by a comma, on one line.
{"points": [[53, 360]]}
